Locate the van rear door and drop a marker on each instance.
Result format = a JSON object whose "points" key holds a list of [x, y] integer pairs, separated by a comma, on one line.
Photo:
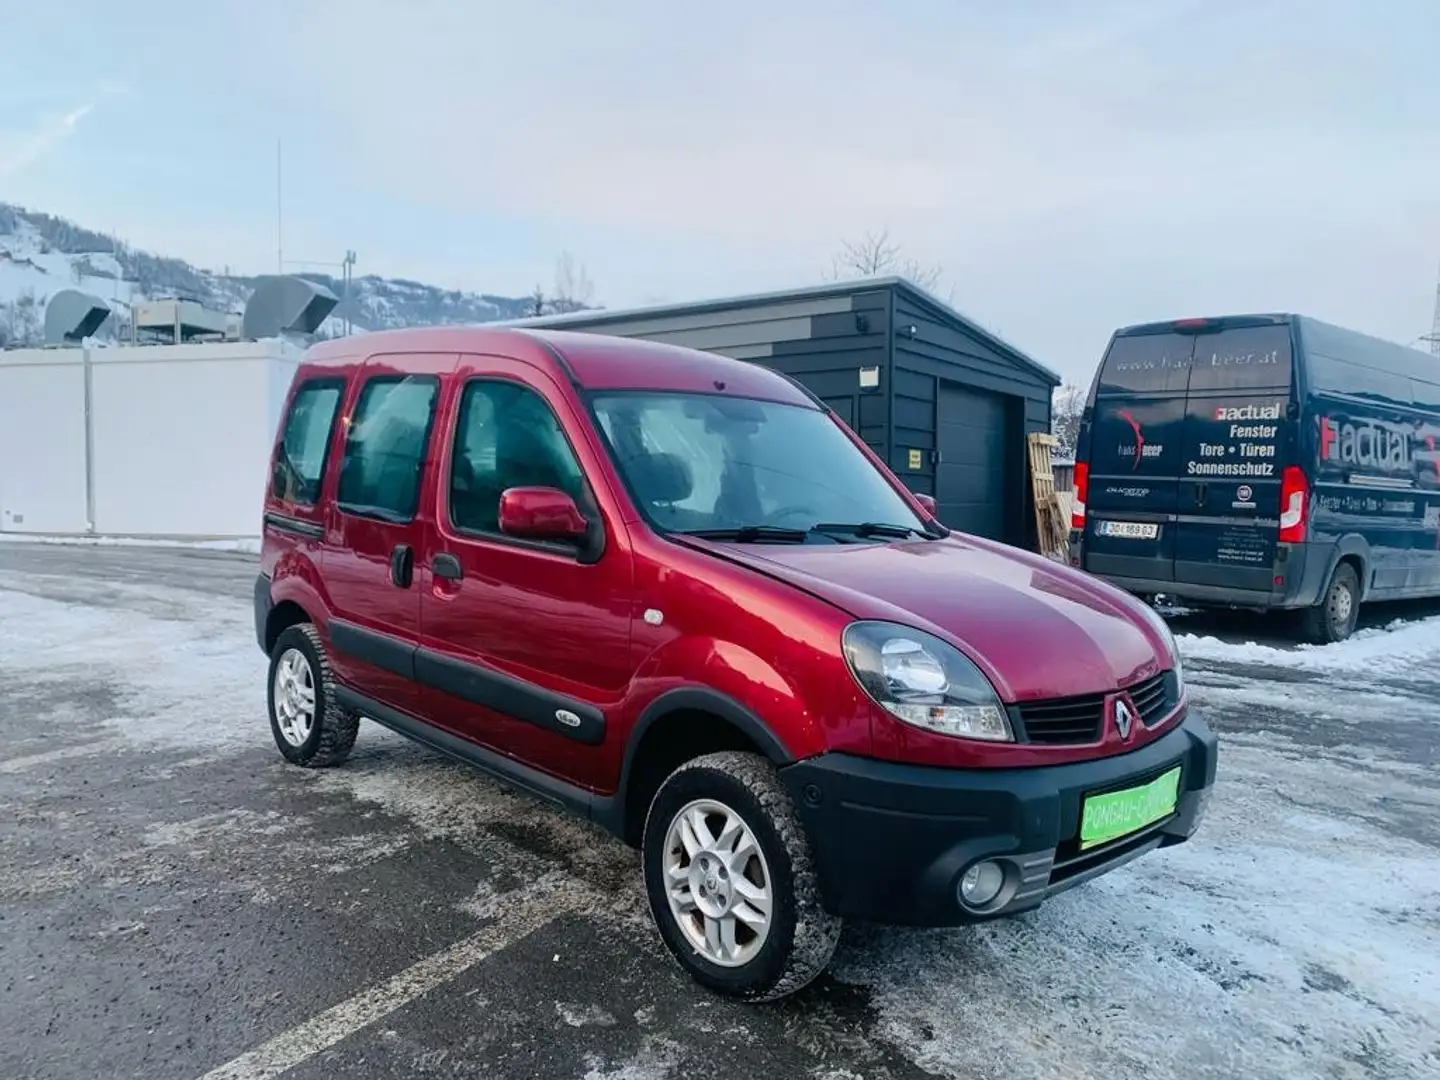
{"points": [[1239, 436], [1135, 435]]}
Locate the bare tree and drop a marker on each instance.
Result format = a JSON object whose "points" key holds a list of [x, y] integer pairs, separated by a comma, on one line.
{"points": [[25, 318], [573, 288], [537, 301], [1066, 406], [876, 255]]}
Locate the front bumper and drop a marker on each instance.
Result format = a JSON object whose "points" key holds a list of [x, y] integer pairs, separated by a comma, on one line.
{"points": [[892, 841]]}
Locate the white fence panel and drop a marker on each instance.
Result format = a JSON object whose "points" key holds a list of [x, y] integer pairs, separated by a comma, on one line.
{"points": [[42, 441], [182, 437]]}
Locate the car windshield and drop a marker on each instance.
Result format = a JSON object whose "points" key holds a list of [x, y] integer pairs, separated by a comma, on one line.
{"points": [[760, 470]]}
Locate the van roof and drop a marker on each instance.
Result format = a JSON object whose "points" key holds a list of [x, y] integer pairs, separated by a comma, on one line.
{"points": [[586, 360], [1215, 321]]}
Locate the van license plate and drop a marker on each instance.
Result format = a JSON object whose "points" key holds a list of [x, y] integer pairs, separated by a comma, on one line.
{"points": [[1117, 813], [1130, 530]]}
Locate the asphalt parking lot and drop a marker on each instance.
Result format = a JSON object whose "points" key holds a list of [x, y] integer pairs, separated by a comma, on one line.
{"points": [[177, 902]]}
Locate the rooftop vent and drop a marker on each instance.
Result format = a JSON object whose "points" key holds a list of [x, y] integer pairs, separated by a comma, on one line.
{"points": [[179, 320], [72, 315], [283, 305]]}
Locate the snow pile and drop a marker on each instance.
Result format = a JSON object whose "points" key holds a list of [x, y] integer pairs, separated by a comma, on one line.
{"points": [[1404, 647]]}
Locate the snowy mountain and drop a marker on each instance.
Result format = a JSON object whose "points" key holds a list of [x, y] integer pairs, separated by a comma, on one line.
{"points": [[41, 254]]}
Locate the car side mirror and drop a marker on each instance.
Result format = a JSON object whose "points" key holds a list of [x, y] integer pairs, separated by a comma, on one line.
{"points": [[927, 503], [541, 513]]}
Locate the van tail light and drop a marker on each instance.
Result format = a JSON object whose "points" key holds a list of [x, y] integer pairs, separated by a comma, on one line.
{"points": [[1294, 500], [1082, 491]]}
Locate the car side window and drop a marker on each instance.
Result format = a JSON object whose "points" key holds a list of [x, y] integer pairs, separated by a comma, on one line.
{"points": [[507, 436], [305, 441], [385, 448]]}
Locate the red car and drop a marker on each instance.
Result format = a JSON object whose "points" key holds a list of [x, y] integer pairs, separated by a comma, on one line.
{"points": [[674, 593]]}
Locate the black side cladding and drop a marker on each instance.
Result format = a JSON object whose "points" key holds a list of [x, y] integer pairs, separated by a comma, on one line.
{"points": [[521, 700], [471, 682], [383, 651]]}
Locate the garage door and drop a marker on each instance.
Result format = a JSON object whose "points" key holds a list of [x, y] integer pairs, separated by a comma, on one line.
{"points": [[972, 481]]}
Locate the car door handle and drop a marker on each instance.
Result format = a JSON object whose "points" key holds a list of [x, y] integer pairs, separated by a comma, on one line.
{"points": [[446, 566], [402, 566], [1201, 494]]}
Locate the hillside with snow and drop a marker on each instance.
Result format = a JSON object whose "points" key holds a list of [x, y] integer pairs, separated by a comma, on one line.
{"points": [[40, 255]]}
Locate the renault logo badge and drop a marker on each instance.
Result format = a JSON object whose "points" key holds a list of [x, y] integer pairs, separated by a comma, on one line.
{"points": [[1124, 718]]}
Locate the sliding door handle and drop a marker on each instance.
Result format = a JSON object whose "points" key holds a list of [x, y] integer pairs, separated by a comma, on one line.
{"points": [[446, 566]]}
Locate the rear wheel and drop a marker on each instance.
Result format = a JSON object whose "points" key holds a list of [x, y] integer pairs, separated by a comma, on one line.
{"points": [[1333, 618], [308, 723], [731, 880]]}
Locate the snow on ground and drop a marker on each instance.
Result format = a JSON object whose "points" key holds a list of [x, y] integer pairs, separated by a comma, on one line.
{"points": [[1295, 936], [249, 545]]}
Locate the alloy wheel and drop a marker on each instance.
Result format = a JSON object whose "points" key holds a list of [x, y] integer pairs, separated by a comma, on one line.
{"points": [[293, 694], [718, 883]]}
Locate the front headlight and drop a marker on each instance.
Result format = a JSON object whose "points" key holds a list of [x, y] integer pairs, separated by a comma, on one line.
{"points": [[1158, 621], [922, 681]]}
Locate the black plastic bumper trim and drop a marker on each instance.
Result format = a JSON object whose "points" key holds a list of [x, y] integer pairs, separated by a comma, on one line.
{"points": [[892, 840]]}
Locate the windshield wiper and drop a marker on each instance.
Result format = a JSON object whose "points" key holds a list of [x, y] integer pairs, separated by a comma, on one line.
{"points": [[751, 533], [868, 528]]}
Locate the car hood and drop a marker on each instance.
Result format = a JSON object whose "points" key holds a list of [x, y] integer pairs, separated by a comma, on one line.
{"points": [[1036, 628]]}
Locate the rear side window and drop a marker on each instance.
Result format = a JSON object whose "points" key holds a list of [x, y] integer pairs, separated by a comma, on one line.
{"points": [[385, 448], [507, 436], [304, 442]]}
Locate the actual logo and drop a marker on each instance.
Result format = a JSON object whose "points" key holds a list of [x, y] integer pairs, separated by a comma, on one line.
{"points": [[568, 718], [1124, 718], [1233, 413], [1244, 494]]}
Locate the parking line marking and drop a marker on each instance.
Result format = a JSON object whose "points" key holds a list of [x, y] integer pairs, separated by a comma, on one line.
{"points": [[321, 1032]]}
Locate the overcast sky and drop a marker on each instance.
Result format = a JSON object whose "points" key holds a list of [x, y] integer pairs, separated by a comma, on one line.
{"points": [[1073, 166]]}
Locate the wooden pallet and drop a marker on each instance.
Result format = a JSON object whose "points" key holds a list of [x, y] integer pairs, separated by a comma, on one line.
{"points": [[1051, 525]]}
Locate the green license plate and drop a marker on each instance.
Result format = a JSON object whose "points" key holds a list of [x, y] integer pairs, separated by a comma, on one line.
{"points": [[1117, 813]]}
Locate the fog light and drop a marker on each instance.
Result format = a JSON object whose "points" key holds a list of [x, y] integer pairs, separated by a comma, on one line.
{"points": [[982, 883]]}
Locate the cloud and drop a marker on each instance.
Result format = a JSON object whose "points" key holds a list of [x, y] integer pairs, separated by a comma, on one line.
{"points": [[20, 150], [23, 150]]}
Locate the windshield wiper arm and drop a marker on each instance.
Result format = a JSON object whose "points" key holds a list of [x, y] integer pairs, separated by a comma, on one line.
{"points": [[868, 528], [751, 533]]}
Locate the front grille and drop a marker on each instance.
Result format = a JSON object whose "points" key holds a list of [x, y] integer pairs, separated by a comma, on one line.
{"points": [[1152, 698], [1064, 720], [1074, 721]]}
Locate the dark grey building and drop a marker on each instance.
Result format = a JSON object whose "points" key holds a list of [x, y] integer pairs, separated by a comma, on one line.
{"points": [[944, 402]]}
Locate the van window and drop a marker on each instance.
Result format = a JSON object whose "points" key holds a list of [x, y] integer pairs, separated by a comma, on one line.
{"points": [[300, 464], [385, 450], [507, 436], [1242, 358], [1147, 363]]}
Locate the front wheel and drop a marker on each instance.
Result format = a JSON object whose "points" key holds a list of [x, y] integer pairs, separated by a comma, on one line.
{"points": [[731, 880], [1333, 618]]}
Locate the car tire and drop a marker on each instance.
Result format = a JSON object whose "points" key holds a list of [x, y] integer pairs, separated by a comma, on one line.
{"points": [[709, 919], [308, 723], [1333, 618]]}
